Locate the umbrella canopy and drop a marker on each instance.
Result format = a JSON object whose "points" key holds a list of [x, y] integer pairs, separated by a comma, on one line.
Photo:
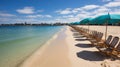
{"points": [[85, 21], [115, 19], [110, 19], [75, 23]]}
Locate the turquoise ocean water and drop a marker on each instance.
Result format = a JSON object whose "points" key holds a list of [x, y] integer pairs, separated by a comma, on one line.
{"points": [[19, 42]]}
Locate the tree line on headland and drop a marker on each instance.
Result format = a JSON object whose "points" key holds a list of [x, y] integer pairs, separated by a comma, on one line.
{"points": [[37, 24], [50, 24]]}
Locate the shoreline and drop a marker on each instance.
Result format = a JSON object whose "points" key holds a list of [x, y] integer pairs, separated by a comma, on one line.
{"points": [[65, 50], [49, 47], [42, 47]]}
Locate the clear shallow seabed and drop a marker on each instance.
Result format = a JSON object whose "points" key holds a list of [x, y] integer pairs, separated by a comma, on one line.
{"points": [[19, 42]]}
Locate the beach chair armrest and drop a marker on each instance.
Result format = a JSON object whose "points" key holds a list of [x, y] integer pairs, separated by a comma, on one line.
{"points": [[114, 52]]}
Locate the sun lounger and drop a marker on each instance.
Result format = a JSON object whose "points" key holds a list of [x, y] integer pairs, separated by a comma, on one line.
{"points": [[109, 47], [116, 52], [105, 43], [97, 38], [91, 35]]}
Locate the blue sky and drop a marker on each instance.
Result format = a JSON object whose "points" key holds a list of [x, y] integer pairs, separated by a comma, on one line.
{"points": [[50, 11]]}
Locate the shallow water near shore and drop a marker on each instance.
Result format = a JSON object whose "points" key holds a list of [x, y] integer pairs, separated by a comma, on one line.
{"points": [[19, 42]]}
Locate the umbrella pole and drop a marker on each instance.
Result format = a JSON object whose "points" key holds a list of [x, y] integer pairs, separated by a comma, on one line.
{"points": [[107, 26], [88, 27], [106, 32]]}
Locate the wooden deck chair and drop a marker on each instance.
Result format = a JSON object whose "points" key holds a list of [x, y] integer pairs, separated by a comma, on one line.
{"points": [[111, 46], [92, 36], [81, 32], [105, 43], [85, 32], [97, 39], [89, 35], [77, 29], [116, 52]]}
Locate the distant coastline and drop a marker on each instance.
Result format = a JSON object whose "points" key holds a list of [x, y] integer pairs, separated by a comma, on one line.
{"points": [[54, 24], [31, 24]]}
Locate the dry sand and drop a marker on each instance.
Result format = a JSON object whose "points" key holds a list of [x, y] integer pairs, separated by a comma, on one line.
{"points": [[100, 59], [112, 30], [68, 49]]}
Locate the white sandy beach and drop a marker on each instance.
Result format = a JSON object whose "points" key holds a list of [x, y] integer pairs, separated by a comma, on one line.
{"points": [[111, 30], [67, 49]]}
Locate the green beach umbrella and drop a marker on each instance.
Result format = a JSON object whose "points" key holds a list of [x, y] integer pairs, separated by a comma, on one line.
{"points": [[86, 21], [75, 23], [113, 19], [108, 19]]}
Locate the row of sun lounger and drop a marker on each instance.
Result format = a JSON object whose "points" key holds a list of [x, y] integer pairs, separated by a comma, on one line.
{"points": [[109, 47]]}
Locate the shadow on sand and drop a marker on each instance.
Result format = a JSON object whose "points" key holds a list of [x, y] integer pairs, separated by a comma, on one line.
{"points": [[79, 36], [76, 34], [73, 30], [81, 39], [91, 56], [84, 45]]}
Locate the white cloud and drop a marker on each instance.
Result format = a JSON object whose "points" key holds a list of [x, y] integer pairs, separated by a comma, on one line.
{"points": [[89, 7], [68, 16], [48, 16], [113, 4], [117, 0], [76, 10], [26, 10], [100, 10], [77, 14], [33, 16], [82, 15], [5, 19], [106, 0], [73, 19], [64, 20], [19, 20], [6, 15], [66, 11], [39, 16], [40, 11], [116, 11]]}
